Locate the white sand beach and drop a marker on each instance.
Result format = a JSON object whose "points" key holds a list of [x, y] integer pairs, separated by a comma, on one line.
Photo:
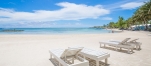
{"points": [[33, 50]]}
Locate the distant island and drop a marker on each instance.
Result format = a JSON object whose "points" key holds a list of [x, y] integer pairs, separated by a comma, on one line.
{"points": [[12, 30], [98, 27]]}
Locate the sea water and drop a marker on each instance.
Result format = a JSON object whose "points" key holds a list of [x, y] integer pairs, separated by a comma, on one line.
{"points": [[52, 31]]}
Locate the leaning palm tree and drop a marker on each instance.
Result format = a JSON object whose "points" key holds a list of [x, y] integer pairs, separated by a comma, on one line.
{"points": [[145, 12], [142, 14]]}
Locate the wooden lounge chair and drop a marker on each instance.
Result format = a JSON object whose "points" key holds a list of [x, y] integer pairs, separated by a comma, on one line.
{"points": [[122, 44], [64, 56], [95, 55], [133, 42]]}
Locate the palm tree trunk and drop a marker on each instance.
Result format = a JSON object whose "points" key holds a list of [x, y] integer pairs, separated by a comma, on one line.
{"points": [[149, 10]]}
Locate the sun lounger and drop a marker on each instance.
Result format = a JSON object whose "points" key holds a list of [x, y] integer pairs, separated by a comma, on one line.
{"points": [[64, 56], [120, 45], [134, 42], [94, 55]]}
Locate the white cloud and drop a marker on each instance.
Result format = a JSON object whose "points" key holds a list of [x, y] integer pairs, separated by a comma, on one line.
{"points": [[69, 11], [106, 18], [121, 4], [131, 5]]}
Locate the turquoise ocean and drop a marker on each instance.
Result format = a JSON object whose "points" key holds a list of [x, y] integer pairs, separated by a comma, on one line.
{"points": [[52, 31]]}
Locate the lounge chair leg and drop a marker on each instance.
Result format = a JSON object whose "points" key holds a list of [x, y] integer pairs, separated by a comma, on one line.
{"points": [[116, 48], [120, 49], [132, 50], [106, 60], [72, 60], [59, 64], [128, 51], [104, 45], [139, 48], [97, 63]]}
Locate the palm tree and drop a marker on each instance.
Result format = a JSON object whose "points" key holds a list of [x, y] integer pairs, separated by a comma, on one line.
{"points": [[142, 14], [120, 22], [148, 4], [111, 24], [130, 22], [146, 12]]}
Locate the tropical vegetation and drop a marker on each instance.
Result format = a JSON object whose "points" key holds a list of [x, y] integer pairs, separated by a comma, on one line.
{"points": [[141, 16]]}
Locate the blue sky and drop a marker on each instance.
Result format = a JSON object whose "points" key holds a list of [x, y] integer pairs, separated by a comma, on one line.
{"points": [[64, 13]]}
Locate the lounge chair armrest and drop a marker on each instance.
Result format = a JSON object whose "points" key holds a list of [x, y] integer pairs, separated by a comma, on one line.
{"points": [[134, 40]]}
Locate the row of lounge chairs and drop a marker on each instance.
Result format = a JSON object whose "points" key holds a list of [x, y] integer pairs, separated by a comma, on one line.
{"points": [[130, 45], [80, 56]]}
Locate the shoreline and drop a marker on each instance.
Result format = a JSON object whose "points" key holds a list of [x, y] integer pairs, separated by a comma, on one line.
{"points": [[55, 31], [109, 33]]}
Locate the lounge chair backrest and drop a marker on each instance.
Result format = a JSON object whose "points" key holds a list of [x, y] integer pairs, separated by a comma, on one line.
{"points": [[70, 52], [134, 40], [125, 40]]}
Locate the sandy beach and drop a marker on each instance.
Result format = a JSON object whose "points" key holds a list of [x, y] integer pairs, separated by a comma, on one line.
{"points": [[33, 50]]}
